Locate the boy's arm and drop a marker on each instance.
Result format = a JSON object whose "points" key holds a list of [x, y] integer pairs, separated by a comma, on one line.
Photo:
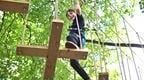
{"points": [[77, 7]]}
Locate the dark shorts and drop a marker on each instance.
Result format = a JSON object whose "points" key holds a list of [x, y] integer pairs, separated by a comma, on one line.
{"points": [[74, 37]]}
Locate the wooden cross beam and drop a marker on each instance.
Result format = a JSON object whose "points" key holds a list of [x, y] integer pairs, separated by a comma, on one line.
{"points": [[52, 52], [41, 51], [14, 5]]}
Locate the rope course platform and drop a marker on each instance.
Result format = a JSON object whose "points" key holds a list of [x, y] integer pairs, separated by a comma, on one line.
{"points": [[52, 52], [20, 6]]}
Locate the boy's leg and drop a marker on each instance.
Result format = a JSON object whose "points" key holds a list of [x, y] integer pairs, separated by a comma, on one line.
{"points": [[71, 40], [75, 64]]}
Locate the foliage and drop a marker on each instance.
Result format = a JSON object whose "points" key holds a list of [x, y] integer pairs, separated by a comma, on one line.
{"points": [[101, 15]]}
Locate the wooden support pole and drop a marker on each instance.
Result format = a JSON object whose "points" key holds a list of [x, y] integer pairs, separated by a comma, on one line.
{"points": [[14, 5], [53, 49]]}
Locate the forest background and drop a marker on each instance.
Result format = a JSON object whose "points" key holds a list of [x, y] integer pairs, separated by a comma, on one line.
{"points": [[102, 19]]}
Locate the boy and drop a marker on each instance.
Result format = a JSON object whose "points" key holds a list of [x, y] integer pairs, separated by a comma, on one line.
{"points": [[75, 16]]}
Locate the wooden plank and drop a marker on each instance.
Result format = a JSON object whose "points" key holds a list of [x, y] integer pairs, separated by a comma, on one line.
{"points": [[73, 53], [104, 76], [53, 48], [37, 51], [14, 5], [41, 51]]}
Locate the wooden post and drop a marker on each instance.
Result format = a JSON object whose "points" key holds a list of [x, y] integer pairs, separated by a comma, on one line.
{"points": [[104, 76], [53, 49], [14, 6], [52, 52]]}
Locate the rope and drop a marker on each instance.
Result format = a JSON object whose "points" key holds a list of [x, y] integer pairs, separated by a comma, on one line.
{"points": [[140, 73], [56, 9], [121, 51], [93, 57], [107, 36], [101, 69], [79, 31], [116, 44], [120, 55], [140, 40], [118, 37], [121, 72], [111, 39], [102, 52], [130, 46], [24, 30], [128, 67], [131, 51], [73, 3], [125, 20], [78, 27], [105, 64], [122, 64], [24, 26]]}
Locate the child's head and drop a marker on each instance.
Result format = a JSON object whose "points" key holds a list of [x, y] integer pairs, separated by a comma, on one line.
{"points": [[70, 14]]}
